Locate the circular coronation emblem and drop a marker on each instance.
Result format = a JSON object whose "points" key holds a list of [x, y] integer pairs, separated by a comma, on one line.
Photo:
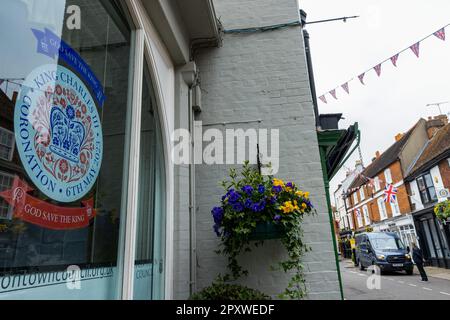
{"points": [[58, 133]]}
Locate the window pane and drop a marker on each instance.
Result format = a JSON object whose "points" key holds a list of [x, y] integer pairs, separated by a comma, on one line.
{"points": [[72, 87]]}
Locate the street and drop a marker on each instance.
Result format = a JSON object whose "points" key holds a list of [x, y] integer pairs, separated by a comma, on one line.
{"points": [[394, 286]]}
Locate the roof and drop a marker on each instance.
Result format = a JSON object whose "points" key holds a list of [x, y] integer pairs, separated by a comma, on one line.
{"points": [[438, 147], [385, 159]]}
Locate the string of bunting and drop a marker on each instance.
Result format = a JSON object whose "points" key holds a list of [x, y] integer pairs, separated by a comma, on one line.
{"points": [[415, 48]]}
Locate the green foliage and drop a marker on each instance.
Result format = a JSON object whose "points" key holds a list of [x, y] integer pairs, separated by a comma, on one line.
{"points": [[442, 210], [220, 290], [252, 199]]}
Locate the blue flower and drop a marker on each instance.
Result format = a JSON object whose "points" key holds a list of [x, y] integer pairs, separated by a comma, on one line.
{"points": [[258, 207], [290, 185], [249, 204], [248, 190], [233, 197], [261, 189], [217, 213], [273, 200], [277, 189], [238, 207], [277, 218]]}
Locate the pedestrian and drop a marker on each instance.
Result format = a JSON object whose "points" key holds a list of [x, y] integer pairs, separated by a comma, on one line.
{"points": [[418, 260]]}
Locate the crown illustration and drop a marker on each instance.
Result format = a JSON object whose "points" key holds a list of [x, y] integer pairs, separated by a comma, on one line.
{"points": [[67, 135]]}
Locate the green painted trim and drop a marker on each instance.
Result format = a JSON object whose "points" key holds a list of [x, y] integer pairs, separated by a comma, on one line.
{"points": [[330, 214]]}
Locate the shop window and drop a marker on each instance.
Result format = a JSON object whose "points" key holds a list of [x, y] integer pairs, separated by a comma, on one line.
{"points": [[426, 189], [69, 125], [6, 144]]}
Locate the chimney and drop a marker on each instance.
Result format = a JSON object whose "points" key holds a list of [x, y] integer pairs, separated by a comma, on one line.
{"points": [[358, 166], [14, 97], [398, 137], [436, 123], [377, 154]]}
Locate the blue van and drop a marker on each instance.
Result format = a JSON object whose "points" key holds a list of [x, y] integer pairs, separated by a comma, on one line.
{"points": [[383, 249]]}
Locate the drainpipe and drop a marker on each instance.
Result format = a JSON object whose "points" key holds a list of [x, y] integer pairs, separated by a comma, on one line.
{"points": [[189, 73], [310, 68]]}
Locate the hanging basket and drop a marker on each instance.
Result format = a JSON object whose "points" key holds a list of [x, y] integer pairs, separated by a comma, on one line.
{"points": [[267, 231]]}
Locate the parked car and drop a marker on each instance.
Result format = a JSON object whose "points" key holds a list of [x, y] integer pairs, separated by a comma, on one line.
{"points": [[383, 249]]}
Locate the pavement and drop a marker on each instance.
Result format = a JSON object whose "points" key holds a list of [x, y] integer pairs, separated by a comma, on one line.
{"points": [[362, 285]]}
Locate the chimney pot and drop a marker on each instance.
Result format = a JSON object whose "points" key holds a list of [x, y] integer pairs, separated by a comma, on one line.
{"points": [[398, 137], [377, 154]]}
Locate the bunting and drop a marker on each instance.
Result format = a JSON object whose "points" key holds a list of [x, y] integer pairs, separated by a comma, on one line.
{"points": [[346, 88], [333, 93], [440, 34], [377, 69], [394, 59], [415, 48], [361, 78], [323, 99]]}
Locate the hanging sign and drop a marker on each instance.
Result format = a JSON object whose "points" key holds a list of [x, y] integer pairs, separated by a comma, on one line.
{"points": [[43, 214]]}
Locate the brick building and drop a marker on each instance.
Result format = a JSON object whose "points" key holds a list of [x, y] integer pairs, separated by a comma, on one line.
{"points": [[429, 182]]}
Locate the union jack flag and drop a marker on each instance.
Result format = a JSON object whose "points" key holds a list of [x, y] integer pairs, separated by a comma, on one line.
{"points": [[390, 193]]}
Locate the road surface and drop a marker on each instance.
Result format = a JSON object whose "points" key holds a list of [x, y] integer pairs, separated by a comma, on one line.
{"points": [[394, 286]]}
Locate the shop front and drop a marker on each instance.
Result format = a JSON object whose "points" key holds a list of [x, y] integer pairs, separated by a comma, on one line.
{"points": [[433, 237], [84, 166]]}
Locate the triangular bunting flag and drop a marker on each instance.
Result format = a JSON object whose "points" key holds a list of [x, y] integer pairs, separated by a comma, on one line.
{"points": [[323, 99], [1, 81], [394, 59], [361, 78], [415, 48], [333, 93], [440, 34], [346, 88], [377, 69]]}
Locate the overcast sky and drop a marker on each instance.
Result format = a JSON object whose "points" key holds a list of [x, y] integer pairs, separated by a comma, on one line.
{"points": [[394, 102]]}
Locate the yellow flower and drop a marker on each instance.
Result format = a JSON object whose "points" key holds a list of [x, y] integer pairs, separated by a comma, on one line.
{"points": [[296, 205], [287, 207], [306, 194], [304, 206], [299, 193], [278, 183]]}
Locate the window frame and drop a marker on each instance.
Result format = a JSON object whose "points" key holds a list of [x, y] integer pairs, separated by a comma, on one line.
{"points": [[13, 144], [382, 209], [425, 191], [388, 176], [10, 211]]}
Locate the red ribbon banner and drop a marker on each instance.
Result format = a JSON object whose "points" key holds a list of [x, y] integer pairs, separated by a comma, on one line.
{"points": [[44, 214]]}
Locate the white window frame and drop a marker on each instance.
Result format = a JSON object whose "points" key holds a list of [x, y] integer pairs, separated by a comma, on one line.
{"points": [[10, 210], [395, 208], [377, 184], [382, 209], [366, 215], [361, 193], [13, 144], [359, 219], [355, 198], [388, 176]]}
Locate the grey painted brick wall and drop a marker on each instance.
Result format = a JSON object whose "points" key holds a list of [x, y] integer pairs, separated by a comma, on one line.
{"points": [[264, 76]]}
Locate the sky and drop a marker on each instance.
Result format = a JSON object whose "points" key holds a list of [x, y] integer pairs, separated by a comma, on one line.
{"points": [[395, 101]]}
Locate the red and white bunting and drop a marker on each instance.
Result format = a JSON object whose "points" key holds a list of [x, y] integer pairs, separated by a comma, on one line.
{"points": [[394, 59], [346, 88], [323, 99], [377, 69], [440, 34], [416, 49], [333, 93], [361, 78]]}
